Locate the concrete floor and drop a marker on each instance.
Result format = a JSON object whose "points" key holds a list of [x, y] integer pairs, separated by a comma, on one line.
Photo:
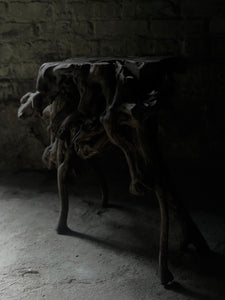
{"points": [[112, 256]]}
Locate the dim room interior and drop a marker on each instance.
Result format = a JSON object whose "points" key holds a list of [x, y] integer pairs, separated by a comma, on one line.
{"points": [[120, 105]]}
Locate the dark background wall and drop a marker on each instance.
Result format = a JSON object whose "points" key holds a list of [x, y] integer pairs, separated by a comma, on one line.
{"points": [[33, 32]]}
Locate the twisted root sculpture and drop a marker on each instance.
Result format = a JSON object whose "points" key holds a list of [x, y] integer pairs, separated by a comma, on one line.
{"points": [[116, 100], [57, 103]]}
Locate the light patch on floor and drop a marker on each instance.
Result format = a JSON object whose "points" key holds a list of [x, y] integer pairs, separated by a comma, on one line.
{"points": [[113, 254]]}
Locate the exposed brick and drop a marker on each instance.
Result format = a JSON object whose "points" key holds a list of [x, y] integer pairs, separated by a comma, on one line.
{"points": [[112, 47], [84, 28], [28, 148], [62, 11], [128, 9], [37, 51], [121, 28], [81, 11], [84, 47], [23, 12], [20, 71], [157, 9], [37, 31], [139, 46], [166, 28], [47, 30], [95, 10], [7, 53], [14, 31], [106, 10], [6, 88], [165, 47], [4, 70], [3, 10]]}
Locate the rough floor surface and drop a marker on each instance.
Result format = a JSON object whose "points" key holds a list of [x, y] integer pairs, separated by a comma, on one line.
{"points": [[113, 253]]}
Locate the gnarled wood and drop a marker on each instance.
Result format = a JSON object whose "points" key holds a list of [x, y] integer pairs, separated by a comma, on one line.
{"points": [[94, 103]]}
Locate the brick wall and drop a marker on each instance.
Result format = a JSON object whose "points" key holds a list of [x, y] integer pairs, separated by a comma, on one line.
{"points": [[33, 32]]}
